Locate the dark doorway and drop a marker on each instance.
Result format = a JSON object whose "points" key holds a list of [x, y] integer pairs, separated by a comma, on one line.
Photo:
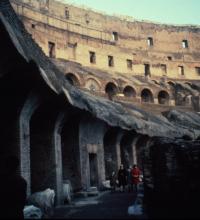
{"points": [[72, 79], [147, 96], [70, 152], [110, 152], [163, 98], [93, 169], [129, 92], [111, 89]]}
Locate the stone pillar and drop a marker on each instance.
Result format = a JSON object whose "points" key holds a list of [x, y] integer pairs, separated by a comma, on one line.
{"points": [[119, 137], [172, 102], [58, 158], [25, 115], [155, 100], [135, 159]]}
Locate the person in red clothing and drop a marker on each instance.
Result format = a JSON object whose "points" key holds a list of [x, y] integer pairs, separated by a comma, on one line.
{"points": [[135, 176]]}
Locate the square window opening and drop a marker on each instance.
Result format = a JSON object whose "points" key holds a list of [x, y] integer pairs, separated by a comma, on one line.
{"points": [[92, 57], [185, 44], [115, 36], [110, 61], [147, 70], [129, 64], [52, 50], [150, 41], [181, 70], [164, 68], [197, 70]]}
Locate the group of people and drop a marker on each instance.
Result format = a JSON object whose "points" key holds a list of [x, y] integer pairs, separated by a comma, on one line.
{"points": [[13, 187], [123, 178]]}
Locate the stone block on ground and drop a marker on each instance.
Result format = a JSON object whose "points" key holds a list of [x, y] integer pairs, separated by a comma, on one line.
{"points": [[92, 191], [32, 212]]}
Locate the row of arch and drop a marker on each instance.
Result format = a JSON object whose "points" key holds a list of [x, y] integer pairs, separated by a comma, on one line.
{"points": [[146, 94], [72, 145], [112, 90]]}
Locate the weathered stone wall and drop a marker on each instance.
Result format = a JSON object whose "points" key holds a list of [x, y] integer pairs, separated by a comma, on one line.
{"points": [[171, 178], [112, 155], [71, 152], [85, 30], [91, 135], [170, 167]]}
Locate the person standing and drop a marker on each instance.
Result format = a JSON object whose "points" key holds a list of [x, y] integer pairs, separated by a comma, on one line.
{"points": [[113, 181], [122, 178], [135, 176], [130, 179], [12, 190]]}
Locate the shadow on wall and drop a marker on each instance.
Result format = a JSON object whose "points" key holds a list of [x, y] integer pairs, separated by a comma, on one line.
{"points": [[174, 190]]}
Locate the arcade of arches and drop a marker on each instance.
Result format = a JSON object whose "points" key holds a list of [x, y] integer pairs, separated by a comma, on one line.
{"points": [[59, 139]]}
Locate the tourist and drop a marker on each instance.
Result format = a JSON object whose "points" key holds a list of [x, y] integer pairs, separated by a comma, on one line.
{"points": [[135, 176], [122, 178], [113, 181], [129, 179]]}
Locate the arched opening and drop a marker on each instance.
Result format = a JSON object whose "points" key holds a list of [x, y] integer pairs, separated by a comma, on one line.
{"points": [[126, 149], [92, 85], [72, 79], [147, 96], [111, 89], [141, 145], [39, 155], [163, 98], [42, 157], [129, 92], [110, 151], [70, 152]]}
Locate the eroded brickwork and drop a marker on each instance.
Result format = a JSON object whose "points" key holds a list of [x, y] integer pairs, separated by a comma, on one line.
{"points": [[72, 33]]}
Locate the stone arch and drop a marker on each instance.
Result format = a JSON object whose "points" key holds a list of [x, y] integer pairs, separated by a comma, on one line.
{"points": [[58, 156], [32, 103], [66, 137], [70, 147], [129, 91], [147, 96], [92, 84], [39, 151], [111, 89], [10, 89], [44, 155], [141, 145], [163, 97], [135, 150], [73, 79], [111, 155], [127, 148]]}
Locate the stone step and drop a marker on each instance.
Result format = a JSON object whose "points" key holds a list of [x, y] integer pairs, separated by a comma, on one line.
{"points": [[92, 191]]}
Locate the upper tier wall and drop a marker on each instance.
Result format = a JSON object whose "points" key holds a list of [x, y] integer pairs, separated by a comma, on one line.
{"points": [[85, 30]]}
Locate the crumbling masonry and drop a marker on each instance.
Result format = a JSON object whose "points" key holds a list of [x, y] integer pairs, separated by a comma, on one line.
{"points": [[82, 92]]}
